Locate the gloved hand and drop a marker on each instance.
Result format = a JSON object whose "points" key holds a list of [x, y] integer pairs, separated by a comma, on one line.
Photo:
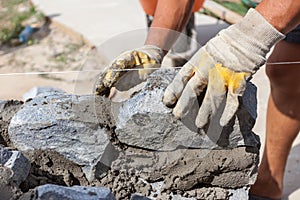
{"points": [[148, 56], [223, 65]]}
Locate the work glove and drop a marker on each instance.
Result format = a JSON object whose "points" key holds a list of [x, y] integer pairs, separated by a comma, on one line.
{"points": [[148, 56], [223, 66]]}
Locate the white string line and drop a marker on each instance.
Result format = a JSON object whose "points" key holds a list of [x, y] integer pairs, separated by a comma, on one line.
{"points": [[283, 63], [77, 71], [115, 70]]}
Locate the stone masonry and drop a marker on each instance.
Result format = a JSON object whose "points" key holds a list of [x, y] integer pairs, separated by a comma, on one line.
{"points": [[135, 148]]}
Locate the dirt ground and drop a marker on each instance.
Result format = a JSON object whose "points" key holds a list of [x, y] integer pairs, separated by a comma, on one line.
{"points": [[50, 50]]}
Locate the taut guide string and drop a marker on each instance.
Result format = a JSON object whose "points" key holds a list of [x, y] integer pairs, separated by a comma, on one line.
{"points": [[116, 70]]}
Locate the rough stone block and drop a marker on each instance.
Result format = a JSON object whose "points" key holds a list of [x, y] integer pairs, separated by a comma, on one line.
{"points": [[239, 193], [56, 192], [144, 121], [138, 197], [17, 162], [8, 189], [73, 126], [34, 92]]}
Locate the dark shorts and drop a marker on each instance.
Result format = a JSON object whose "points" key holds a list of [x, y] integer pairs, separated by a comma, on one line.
{"points": [[293, 36]]}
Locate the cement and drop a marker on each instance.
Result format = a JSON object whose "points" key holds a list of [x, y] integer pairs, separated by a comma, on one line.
{"points": [[188, 172], [7, 110]]}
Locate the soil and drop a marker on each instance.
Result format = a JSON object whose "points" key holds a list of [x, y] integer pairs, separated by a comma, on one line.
{"points": [[49, 50]]}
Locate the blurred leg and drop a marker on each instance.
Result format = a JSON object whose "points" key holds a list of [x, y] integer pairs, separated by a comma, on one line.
{"points": [[283, 120]]}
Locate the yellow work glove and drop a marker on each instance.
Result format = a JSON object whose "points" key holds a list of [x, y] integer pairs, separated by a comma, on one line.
{"points": [[223, 65], [148, 56]]}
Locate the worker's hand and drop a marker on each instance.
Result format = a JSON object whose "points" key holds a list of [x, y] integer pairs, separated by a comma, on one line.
{"points": [[223, 65], [148, 56]]}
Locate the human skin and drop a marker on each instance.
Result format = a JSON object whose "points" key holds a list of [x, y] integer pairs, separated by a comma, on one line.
{"points": [[170, 17], [284, 15], [283, 120]]}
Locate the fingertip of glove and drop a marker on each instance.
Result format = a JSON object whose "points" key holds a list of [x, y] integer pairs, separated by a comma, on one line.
{"points": [[169, 100], [224, 121], [177, 113], [200, 123], [102, 91]]}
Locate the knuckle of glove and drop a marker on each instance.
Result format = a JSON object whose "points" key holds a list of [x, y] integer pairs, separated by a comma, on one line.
{"points": [[127, 60], [111, 74], [232, 80]]}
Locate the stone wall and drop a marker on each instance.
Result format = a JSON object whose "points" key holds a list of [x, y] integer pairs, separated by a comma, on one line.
{"points": [[136, 148]]}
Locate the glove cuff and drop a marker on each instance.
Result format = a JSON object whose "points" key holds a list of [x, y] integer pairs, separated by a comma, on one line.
{"points": [[244, 46], [153, 51], [258, 30]]}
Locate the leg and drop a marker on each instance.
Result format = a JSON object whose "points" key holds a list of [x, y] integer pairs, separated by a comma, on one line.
{"points": [[283, 120]]}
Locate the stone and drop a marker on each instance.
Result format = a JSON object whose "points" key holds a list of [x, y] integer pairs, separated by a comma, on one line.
{"points": [[7, 110], [144, 121], [8, 189], [41, 90], [239, 193], [55, 192], [17, 162], [138, 197], [73, 126]]}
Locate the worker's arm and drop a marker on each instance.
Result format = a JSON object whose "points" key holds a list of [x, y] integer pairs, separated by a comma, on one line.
{"points": [[227, 61], [170, 17], [284, 15]]}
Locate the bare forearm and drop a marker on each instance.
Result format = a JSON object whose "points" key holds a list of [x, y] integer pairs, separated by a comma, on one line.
{"points": [[171, 16], [284, 15]]}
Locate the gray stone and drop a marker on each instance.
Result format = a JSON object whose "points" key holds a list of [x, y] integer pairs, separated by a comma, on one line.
{"points": [[4, 155], [239, 193], [138, 197], [41, 90], [144, 121], [73, 126], [8, 189], [179, 197], [17, 162], [56, 192]]}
